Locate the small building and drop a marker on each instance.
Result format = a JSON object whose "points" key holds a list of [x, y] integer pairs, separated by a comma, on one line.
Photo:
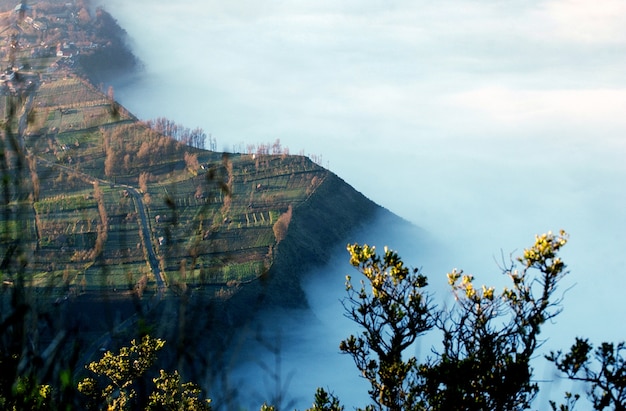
{"points": [[66, 50], [8, 75], [65, 53], [21, 9], [40, 25]]}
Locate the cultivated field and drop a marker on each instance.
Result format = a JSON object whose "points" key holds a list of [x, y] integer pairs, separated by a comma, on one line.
{"points": [[212, 218]]}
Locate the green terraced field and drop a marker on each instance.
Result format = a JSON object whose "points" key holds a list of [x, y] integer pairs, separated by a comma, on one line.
{"points": [[213, 219]]}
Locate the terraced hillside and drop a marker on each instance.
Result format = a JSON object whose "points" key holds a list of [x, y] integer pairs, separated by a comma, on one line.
{"points": [[103, 201], [214, 218]]}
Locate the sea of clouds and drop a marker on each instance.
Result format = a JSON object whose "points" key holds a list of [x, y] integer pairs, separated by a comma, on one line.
{"points": [[483, 123]]}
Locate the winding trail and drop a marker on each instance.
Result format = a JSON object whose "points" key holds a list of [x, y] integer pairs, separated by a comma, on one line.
{"points": [[146, 238], [104, 340], [140, 206]]}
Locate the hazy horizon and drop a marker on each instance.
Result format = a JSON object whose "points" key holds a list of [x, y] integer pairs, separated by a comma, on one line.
{"points": [[482, 123]]}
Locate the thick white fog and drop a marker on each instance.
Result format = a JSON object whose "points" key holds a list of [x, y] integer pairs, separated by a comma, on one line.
{"points": [[307, 341], [482, 122]]}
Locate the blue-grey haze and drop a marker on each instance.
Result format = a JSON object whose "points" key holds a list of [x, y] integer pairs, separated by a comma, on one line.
{"points": [[482, 122]]}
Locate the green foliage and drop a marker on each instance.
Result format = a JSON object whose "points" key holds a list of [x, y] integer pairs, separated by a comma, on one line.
{"points": [[119, 385], [27, 395], [393, 311], [489, 339], [325, 401], [121, 373], [172, 395], [570, 402], [602, 369]]}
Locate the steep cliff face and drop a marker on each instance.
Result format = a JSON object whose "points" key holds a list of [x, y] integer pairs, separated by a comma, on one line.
{"points": [[319, 226], [333, 215]]}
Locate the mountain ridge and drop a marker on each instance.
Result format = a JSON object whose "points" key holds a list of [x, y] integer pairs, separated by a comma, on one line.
{"points": [[235, 221]]}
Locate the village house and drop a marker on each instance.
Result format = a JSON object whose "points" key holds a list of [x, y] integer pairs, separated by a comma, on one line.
{"points": [[66, 50]]}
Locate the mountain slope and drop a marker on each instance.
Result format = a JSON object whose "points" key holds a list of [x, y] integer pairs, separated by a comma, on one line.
{"points": [[107, 202], [319, 226]]}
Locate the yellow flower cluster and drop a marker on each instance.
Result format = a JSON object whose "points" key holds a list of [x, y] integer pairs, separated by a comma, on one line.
{"points": [[467, 287], [545, 248]]}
